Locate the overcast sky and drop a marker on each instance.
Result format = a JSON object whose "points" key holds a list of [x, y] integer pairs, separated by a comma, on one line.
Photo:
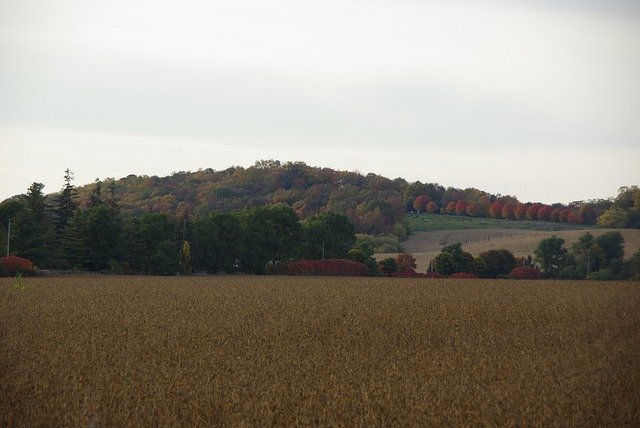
{"points": [[534, 99]]}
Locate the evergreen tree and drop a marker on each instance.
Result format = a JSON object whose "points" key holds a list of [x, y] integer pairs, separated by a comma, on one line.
{"points": [[67, 202], [74, 248]]}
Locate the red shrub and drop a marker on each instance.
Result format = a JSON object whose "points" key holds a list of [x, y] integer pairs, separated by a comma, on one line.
{"points": [[525, 272], [330, 267], [462, 275], [9, 266]]}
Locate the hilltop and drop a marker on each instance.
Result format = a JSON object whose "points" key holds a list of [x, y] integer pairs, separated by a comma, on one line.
{"points": [[375, 204]]}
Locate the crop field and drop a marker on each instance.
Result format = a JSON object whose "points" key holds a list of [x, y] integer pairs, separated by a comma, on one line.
{"points": [[245, 350], [426, 245]]}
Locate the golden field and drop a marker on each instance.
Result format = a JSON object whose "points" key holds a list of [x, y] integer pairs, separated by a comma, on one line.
{"points": [[131, 351]]}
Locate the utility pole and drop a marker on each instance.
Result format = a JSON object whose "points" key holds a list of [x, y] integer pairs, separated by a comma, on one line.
{"points": [[8, 237], [322, 250]]}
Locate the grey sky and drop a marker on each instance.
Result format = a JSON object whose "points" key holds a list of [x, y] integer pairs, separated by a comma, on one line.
{"points": [[541, 101]]}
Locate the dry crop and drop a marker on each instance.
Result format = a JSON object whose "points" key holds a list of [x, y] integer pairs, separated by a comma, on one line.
{"points": [[130, 351]]}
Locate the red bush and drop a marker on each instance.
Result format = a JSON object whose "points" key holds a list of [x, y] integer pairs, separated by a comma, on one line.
{"points": [[9, 266], [462, 275], [432, 207], [330, 267], [525, 272]]}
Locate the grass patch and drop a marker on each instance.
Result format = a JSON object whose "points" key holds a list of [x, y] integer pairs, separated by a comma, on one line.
{"points": [[432, 222]]}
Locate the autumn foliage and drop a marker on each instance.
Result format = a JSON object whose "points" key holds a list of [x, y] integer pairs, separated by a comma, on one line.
{"points": [[405, 261], [508, 210], [432, 207], [12, 265], [461, 207], [525, 272], [421, 202], [496, 209], [473, 209]]}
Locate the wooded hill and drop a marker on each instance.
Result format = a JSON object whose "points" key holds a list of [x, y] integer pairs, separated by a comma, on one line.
{"points": [[375, 204]]}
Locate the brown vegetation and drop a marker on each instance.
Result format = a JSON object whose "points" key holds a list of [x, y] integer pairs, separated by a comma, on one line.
{"points": [[123, 351]]}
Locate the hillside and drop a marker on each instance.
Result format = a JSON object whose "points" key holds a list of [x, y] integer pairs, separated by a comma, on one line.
{"points": [[426, 245], [375, 204]]}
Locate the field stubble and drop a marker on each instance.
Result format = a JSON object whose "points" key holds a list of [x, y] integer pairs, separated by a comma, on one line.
{"points": [[318, 351]]}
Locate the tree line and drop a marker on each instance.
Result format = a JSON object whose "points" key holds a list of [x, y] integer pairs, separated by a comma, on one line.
{"points": [[96, 236], [376, 205], [621, 212], [590, 257]]}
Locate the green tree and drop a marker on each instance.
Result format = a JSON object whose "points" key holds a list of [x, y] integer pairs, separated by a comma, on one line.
{"points": [[388, 266], [32, 234], [551, 255], [460, 260], [149, 242], [67, 202], [444, 264], [333, 232], [272, 233], [73, 246], [612, 245], [613, 217], [494, 263], [102, 237], [587, 254]]}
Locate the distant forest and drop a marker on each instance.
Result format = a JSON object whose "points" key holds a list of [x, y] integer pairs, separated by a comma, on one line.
{"points": [[241, 219]]}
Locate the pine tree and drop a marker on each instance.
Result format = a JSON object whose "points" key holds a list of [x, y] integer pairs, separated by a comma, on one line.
{"points": [[67, 201]]}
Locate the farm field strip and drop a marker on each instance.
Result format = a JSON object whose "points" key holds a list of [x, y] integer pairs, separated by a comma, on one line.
{"points": [[246, 350], [426, 245]]}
